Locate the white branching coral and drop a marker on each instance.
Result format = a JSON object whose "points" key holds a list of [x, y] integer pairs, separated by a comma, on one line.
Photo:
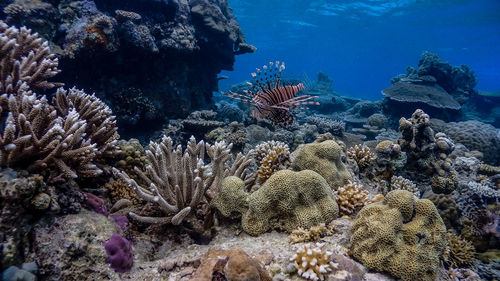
{"points": [[25, 58], [37, 135], [362, 155], [178, 181], [404, 184], [313, 262]]}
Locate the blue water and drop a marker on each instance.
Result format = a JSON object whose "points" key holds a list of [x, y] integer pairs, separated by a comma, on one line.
{"points": [[361, 45]]}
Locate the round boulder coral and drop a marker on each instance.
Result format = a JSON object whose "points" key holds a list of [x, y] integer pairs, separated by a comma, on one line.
{"points": [[400, 235], [289, 200]]}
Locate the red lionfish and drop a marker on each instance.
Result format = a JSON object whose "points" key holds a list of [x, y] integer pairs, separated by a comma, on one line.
{"points": [[271, 100]]}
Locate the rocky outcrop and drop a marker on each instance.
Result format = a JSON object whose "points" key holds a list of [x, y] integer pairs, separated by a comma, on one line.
{"points": [[169, 51]]}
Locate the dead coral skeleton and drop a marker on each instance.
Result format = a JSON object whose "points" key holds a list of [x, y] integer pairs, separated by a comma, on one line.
{"points": [[178, 181]]}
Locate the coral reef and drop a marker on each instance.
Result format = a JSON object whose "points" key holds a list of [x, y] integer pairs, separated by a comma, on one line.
{"points": [[325, 158], [459, 253], [447, 208], [312, 262], [389, 158], [351, 197], [97, 41], [178, 181], [362, 155], [287, 200], [327, 125], [277, 157], [474, 135], [400, 183], [401, 235]]}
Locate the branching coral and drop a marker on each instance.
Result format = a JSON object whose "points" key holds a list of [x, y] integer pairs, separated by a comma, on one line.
{"points": [[178, 181], [313, 262], [350, 198], [314, 233], [404, 184], [459, 253], [276, 160], [25, 58], [362, 155], [119, 190]]}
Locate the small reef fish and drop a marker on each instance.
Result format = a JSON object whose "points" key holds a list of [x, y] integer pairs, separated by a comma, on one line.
{"points": [[270, 99]]}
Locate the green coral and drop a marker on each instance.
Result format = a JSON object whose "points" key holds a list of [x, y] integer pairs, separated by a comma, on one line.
{"points": [[401, 235], [287, 200], [325, 158]]}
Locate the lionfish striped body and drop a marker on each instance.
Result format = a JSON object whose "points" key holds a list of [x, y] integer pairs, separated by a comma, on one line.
{"points": [[270, 99]]}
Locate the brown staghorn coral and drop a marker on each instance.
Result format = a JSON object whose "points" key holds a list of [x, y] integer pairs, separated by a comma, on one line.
{"points": [[178, 181], [25, 58], [312, 262], [459, 253], [350, 198]]}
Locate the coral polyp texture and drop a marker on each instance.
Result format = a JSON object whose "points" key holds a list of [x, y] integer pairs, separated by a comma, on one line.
{"points": [[401, 235], [312, 262], [271, 156], [287, 200], [325, 158], [459, 253]]}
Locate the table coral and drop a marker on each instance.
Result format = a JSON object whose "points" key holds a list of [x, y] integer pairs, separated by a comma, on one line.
{"points": [[325, 158], [401, 235]]}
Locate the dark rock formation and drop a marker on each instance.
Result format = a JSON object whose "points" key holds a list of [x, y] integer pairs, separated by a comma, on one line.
{"points": [[170, 51], [435, 86]]}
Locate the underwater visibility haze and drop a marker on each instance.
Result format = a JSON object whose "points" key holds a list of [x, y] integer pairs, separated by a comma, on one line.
{"points": [[250, 140]]}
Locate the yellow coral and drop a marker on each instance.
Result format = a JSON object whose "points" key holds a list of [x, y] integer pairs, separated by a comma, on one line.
{"points": [[325, 158], [401, 235], [459, 253], [119, 190], [362, 155], [313, 262], [277, 159], [351, 197]]}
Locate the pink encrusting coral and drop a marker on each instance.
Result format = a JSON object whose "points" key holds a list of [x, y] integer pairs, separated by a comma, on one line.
{"points": [[269, 98]]}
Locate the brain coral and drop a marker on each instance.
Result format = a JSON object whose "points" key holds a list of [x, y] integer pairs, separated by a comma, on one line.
{"points": [[325, 158], [474, 135], [287, 200], [401, 235]]}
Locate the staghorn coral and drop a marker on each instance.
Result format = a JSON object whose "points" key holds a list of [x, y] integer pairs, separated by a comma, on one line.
{"points": [[459, 253], [350, 198], [400, 183], [314, 233], [325, 158], [312, 262], [401, 235], [101, 125], [362, 155], [287, 200], [25, 59], [178, 181]]}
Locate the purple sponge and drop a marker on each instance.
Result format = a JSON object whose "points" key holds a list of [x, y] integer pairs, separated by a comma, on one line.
{"points": [[119, 251]]}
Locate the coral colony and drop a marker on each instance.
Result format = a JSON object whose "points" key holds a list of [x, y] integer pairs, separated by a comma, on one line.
{"points": [[209, 189]]}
